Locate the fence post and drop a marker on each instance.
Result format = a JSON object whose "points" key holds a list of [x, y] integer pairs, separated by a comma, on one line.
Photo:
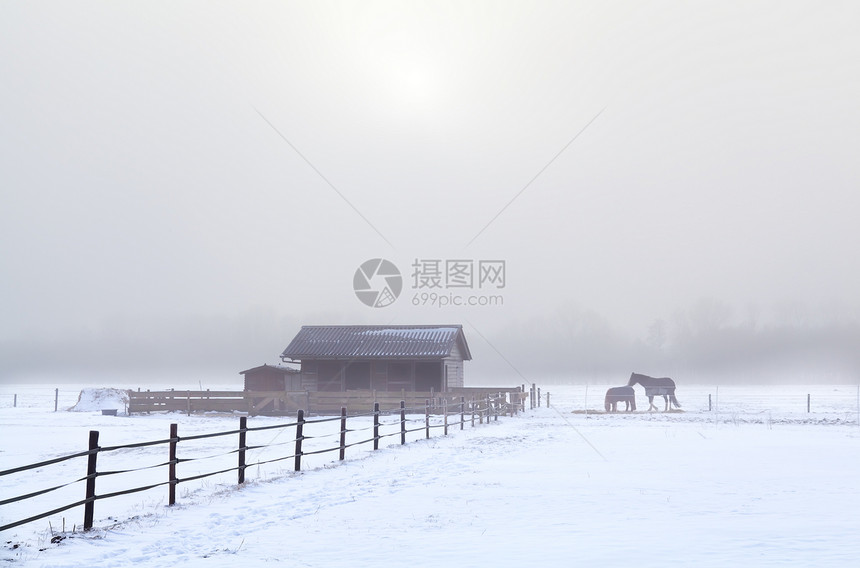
{"points": [[342, 432], [710, 406], [171, 467], [402, 422], [538, 397], [89, 507], [56, 398], [462, 411], [808, 402], [243, 429], [472, 406], [300, 424], [15, 401], [445, 415], [547, 399], [188, 402], [375, 425], [427, 418], [586, 401]]}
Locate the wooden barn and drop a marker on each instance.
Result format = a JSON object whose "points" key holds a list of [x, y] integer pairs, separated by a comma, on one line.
{"points": [[272, 378], [419, 358]]}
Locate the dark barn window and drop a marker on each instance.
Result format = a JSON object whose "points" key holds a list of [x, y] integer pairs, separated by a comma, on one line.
{"points": [[428, 376], [330, 376], [358, 376], [399, 376]]}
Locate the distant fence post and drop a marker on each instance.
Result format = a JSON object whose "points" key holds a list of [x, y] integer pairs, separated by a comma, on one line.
{"points": [[342, 432], [547, 399], [427, 418], [243, 429], [586, 400], [472, 407], [89, 507], [808, 402], [56, 398], [300, 423], [538, 397], [710, 407], [15, 401], [445, 415], [462, 411], [402, 422], [171, 467], [375, 425]]}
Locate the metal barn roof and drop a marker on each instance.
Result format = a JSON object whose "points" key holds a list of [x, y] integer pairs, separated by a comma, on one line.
{"points": [[377, 342], [267, 366]]}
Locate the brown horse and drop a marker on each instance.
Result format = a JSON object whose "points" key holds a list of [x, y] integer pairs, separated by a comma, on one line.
{"points": [[663, 386], [620, 394]]}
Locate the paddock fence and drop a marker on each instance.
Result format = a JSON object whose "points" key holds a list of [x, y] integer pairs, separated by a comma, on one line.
{"points": [[734, 403], [279, 403], [344, 432]]}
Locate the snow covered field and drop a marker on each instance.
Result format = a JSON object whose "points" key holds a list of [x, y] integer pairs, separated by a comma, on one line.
{"points": [[755, 481]]}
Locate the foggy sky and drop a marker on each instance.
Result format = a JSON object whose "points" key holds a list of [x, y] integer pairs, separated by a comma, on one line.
{"points": [[185, 184]]}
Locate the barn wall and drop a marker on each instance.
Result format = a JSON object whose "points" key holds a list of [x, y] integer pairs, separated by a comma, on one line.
{"points": [[385, 375], [309, 375], [456, 353], [454, 368], [269, 379], [379, 376]]}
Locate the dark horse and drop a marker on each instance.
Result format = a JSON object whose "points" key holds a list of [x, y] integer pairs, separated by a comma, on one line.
{"points": [[620, 394], [663, 386]]}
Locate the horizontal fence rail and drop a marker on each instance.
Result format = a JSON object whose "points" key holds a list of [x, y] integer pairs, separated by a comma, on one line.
{"points": [[312, 402], [397, 421]]}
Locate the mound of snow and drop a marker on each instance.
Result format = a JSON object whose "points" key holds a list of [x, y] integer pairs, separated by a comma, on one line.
{"points": [[100, 399]]}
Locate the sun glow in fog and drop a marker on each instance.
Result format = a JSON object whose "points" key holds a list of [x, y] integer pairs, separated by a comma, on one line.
{"points": [[412, 88], [417, 85]]}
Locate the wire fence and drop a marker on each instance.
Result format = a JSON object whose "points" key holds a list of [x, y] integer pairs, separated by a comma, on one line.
{"points": [[186, 461], [790, 403], [55, 399]]}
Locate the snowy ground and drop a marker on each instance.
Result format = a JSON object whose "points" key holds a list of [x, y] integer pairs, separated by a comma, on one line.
{"points": [[758, 481]]}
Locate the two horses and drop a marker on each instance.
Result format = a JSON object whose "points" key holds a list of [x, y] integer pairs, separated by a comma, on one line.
{"points": [[663, 386]]}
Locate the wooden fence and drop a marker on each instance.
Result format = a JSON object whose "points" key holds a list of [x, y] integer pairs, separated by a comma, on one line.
{"points": [[480, 409], [279, 403]]}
